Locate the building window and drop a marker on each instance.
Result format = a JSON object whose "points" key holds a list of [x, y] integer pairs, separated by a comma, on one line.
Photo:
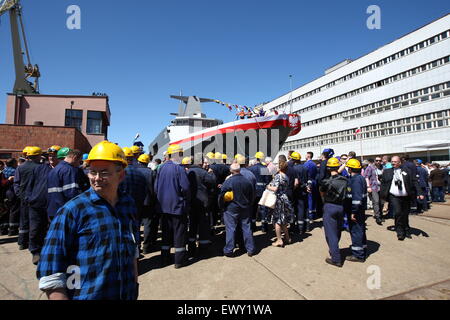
{"points": [[74, 118], [5, 156], [94, 122]]}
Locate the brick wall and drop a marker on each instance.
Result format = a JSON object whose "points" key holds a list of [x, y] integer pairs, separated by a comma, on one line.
{"points": [[13, 138]]}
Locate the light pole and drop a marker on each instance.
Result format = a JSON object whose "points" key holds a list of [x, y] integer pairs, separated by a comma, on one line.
{"points": [[290, 97]]}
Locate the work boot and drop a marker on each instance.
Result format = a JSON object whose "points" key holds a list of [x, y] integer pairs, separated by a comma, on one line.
{"points": [[336, 264], [23, 246], [36, 258], [354, 259]]}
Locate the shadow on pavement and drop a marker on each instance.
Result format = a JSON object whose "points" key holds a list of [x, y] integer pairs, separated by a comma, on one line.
{"points": [[372, 247], [8, 240]]}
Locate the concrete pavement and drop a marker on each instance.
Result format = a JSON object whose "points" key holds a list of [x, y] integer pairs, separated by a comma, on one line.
{"points": [[417, 268]]}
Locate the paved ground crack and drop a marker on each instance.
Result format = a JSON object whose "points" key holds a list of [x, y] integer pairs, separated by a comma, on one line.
{"points": [[12, 293], [284, 282]]}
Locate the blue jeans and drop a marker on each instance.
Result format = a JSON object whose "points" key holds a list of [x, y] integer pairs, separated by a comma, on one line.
{"points": [[232, 220], [438, 194]]}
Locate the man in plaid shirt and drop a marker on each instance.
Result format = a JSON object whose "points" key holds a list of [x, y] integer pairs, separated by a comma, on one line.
{"points": [[91, 250]]}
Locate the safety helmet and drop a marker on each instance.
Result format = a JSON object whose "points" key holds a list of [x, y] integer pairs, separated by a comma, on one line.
{"points": [[238, 155], [63, 152], [329, 151], [85, 157], [259, 155], [186, 160], [419, 161], [224, 157], [127, 152], [228, 196], [25, 150], [354, 164], [210, 155], [296, 156], [333, 163], [136, 149], [240, 159], [34, 151], [144, 158], [107, 151], [53, 149], [218, 156], [174, 148]]}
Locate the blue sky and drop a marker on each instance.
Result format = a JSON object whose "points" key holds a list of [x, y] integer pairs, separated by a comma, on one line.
{"points": [[242, 52]]}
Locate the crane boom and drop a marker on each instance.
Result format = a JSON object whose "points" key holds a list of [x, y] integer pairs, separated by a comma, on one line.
{"points": [[5, 5], [21, 85]]}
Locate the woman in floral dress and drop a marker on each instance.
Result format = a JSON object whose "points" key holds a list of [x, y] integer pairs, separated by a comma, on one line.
{"points": [[283, 213]]}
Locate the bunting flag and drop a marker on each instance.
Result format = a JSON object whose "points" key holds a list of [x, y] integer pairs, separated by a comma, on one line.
{"points": [[238, 108]]}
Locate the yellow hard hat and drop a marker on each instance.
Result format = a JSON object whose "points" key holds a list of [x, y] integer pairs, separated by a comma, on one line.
{"points": [[228, 196], [333, 162], [186, 160], [240, 159], [107, 151], [296, 156], [210, 155], [127, 152], [174, 148], [224, 157], [144, 158], [218, 156], [25, 150], [259, 155], [34, 151], [53, 149], [354, 164], [238, 155], [135, 149]]}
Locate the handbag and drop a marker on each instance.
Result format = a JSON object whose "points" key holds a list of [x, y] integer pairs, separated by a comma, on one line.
{"points": [[268, 199]]}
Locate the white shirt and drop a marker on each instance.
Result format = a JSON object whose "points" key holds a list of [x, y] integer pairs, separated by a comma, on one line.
{"points": [[398, 176]]}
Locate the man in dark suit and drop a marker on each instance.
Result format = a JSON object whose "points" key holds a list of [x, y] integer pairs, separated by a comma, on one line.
{"points": [[398, 185]]}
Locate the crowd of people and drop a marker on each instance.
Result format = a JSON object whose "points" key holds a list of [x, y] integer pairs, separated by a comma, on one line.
{"points": [[86, 210]]}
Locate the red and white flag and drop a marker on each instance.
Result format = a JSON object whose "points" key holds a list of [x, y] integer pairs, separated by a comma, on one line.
{"points": [[357, 131]]}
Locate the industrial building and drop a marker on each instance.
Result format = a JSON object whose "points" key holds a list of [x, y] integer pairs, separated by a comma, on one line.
{"points": [[393, 100]]}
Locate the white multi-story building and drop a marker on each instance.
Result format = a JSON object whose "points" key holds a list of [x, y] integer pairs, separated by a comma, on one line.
{"points": [[396, 95]]}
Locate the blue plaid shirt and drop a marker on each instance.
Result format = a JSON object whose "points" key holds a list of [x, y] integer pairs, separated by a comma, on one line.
{"points": [[101, 240], [9, 172]]}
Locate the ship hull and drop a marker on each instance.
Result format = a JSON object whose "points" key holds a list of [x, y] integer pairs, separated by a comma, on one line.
{"points": [[246, 136]]}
